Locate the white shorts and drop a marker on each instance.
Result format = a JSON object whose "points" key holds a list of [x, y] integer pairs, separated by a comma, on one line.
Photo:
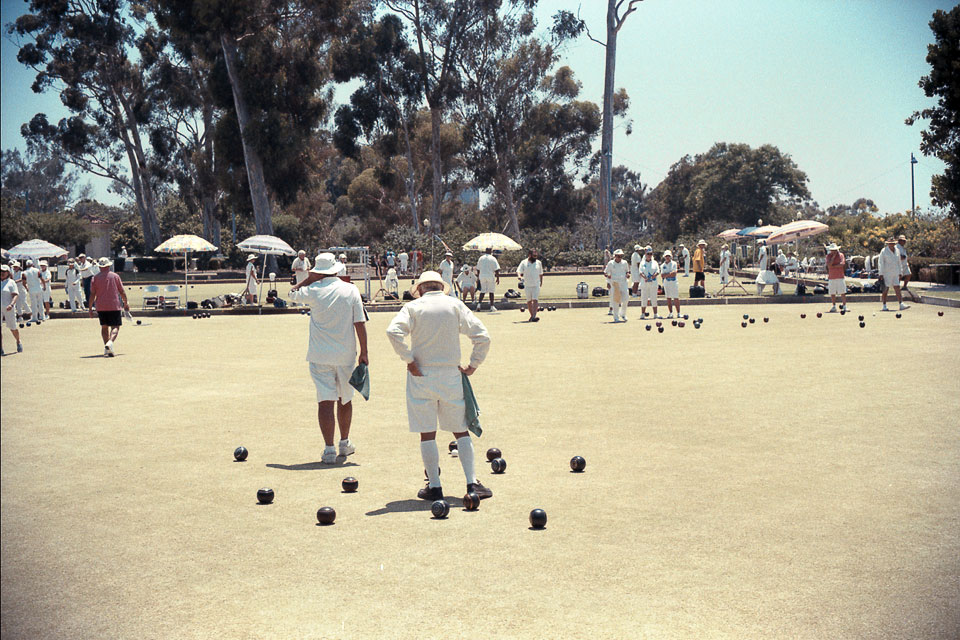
{"points": [[533, 293], [332, 382], [648, 291], [435, 398], [10, 319], [904, 268], [891, 279], [671, 289], [488, 285], [837, 286], [252, 287], [767, 277]]}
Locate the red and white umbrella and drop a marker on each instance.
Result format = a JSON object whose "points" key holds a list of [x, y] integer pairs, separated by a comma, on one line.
{"points": [[797, 231], [729, 234], [764, 231]]}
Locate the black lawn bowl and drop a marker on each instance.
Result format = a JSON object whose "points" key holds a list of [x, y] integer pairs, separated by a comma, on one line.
{"points": [[498, 465], [538, 519], [492, 454], [240, 454], [326, 515], [578, 464], [265, 496], [471, 501], [349, 484], [440, 509]]}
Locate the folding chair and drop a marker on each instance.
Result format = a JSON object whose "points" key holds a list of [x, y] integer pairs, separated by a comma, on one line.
{"points": [[174, 301], [151, 297]]}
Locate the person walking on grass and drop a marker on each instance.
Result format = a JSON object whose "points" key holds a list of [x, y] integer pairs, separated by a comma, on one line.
{"points": [[685, 254], [724, 264], [16, 274], [530, 273], [336, 313], [109, 298], [904, 265], [434, 322], [649, 270], [635, 260], [34, 287], [489, 270], [889, 266], [617, 273], [46, 283], [8, 299], [836, 283], [250, 292], [700, 263], [671, 288]]}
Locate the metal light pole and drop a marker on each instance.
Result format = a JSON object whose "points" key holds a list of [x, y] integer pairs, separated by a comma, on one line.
{"points": [[913, 205], [610, 201], [426, 223]]}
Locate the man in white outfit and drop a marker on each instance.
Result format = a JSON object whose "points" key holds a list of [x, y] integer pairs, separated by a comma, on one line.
{"points": [[635, 260], [489, 270], [342, 264], [31, 279], [617, 273], [72, 285], [446, 272], [671, 288], [649, 270], [685, 253], [251, 279], [793, 265], [88, 269], [766, 275], [904, 265], [16, 274], [403, 258], [336, 313], [8, 300], [46, 281], [781, 262], [392, 283], [300, 267], [889, 266], [724, 264], [530, 273], [434, 321]]}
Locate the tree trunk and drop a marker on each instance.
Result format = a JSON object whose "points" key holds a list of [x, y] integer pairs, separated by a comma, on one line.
{"points": [[411, 181], [435, 117], [606, 132], [262, 211], [139, 174], [211, 226], [206, 182], [505, 189]]}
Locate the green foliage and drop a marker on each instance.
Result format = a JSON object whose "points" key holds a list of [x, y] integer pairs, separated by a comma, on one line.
{"points": [[128, 232], [861, 232], [942, 137]]}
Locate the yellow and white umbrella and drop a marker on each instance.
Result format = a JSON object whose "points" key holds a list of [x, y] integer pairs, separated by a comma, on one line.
{"points": [[495, 241], [185, 244]]}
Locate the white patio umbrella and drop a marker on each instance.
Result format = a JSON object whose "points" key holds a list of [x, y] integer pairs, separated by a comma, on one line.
{"points": [[267, 246], [729, 234], [495, 241], [185, 244], [797, 231], [35, 250], [764, 231]]}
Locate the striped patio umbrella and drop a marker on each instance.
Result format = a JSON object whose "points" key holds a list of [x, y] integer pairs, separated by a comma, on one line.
{"points": [[764, 231], [185, 244], [797, 231], [267, 246], [729, 234], [35, 250], [495, 241]]}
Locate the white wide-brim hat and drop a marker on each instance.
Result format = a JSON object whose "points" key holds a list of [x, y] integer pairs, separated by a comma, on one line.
{"points": [[833, 246], [637, 247], [702, 243], [104, 262], [428, 276], [464, 268], [648, 249], [667, 254], [325, 264], [251, 257], [618, 252]]}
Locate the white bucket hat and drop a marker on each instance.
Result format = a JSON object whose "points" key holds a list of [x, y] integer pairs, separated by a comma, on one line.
{"points": [[702, 242], [251, 257], [104, 262], [833, 246], [464, 268], [618, 252], [29, 263], [428, 276], [325, 265], [637, 247], [667, 254]]}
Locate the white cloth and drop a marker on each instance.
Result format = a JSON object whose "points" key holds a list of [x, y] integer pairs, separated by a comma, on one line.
{"points": [[648, 292], [904, 264], [403, 258], [487, 266], [391, 261], [767, 277], [300, 269], [251, 278], [781, 260], [888, 264], [649, 270], [635, 261], [724, 266], [617, 271], [488, 285], [36, 305], [88, 269], [793, 265], [7, 292], [435, 398], [446, 274], [532, 293], [10, 317], [671, 289], [434, 323], [531, 273], [836, 286], [619, 297], [23, 305], [341, 268], [73, 288], [335, 306], [392, 282], [332, 382], [32, 278]]}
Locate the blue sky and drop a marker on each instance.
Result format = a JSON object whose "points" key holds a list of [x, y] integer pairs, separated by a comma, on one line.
{"points": [[828, 82]]}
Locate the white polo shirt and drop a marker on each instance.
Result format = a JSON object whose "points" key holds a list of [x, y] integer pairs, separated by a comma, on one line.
{"points": [[488, 266], [434, 323], [635, 261], [300, 268], [530, 272], [446, 271], [9, 290], [335, 306], [725, 259], [668, 270], [617, 271], [32, 277], [649, 269], [88, 269]]}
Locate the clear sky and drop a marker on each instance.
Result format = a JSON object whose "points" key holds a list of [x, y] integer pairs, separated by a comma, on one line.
{"points": [[828, 82]]}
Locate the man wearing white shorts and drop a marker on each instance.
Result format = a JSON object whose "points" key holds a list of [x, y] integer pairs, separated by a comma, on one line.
{"points": [[467, 281], [889, 266], [8, 300], [46, 281], [300, 267], [434, 321], [530, 273], [836, 283], [489, 270], [392, 283], [635, 267], [31, 279], [72, 285], [671, 288], [250, 291], [766, 275], [617, 273], [336, 313], [649, 270]]}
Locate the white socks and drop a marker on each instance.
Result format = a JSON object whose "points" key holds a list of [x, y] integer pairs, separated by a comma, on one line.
{"points": [[431, 460], [465, 451]]}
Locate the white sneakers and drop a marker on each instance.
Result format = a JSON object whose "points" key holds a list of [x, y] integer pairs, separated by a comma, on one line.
{"points": [[329, 456], [346, 448], [904, 306], [670, 316], [885, 308], [108, 349], [492, 308], [833, 309]]}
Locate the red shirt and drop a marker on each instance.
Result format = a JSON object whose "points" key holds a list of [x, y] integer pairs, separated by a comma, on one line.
{"points": [[835, 264], [106, 286]]}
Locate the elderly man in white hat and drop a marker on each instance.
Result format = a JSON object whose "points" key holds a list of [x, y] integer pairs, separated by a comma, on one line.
{"points": [[8, 300], [434, 322], [446, 272], [88, 269], [904, 265], [336, 313], [617, 273], [250, 290], [489, 270], [649, 270], [889, 266], [671, 288], [342, 264], [109, 298], [635, 258], [724, 263], [467, 281], [530, 273], [300, 267], [72, 285], [836, 282], [34, 285]]}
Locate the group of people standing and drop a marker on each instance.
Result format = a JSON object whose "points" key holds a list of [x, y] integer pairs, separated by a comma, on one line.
{"points": [[644, 271]]}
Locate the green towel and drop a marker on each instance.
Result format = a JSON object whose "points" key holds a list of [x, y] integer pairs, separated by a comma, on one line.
{"points": [[472, 409], [360, 380]]}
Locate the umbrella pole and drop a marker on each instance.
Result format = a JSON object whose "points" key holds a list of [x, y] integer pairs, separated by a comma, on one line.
{"points": [[186, 287]]}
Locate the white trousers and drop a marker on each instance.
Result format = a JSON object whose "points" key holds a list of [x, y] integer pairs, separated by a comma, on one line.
{"points": [[23, 305], [75, 296], [619, 298], [686, 266], [36, 305]]}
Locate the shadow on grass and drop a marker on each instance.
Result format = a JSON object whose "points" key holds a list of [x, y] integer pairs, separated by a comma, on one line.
{"points": [[403, 506], [101, 356], [311, 466]]}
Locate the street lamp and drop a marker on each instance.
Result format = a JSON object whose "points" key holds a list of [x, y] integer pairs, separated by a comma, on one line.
{"points": [[913, 206], [426, 223]]}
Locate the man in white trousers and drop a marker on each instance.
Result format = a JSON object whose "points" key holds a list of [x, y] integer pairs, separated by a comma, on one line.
{"points": [[31, 279], [530, 273], [635, 260], [617, 273], [336, 313], [250, 291], [649, 270], [434, 322], [46, 281], [671, 288], [446, 272], [403, 259], [889, 266], [724, 264], [685, 253], [489, 270], [73, 286], [16, 274]]}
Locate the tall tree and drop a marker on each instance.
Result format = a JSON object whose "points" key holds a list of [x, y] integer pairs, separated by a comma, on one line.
{"points": [[84, 50], [40, 178], [942, 137]]}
